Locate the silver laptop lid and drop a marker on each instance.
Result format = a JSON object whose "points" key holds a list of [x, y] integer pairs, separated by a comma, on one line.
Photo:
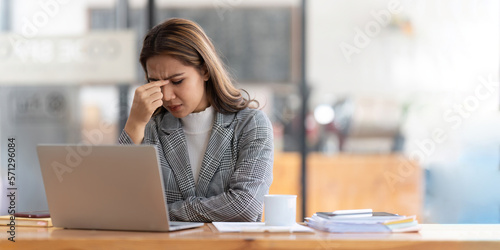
{"points": [[114, 187]]}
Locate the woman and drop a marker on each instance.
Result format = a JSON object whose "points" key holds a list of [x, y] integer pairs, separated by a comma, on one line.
{"points": [[215, 150]]}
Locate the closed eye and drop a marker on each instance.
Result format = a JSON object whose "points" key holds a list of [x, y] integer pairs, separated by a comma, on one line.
{"points": [[177, 82]]}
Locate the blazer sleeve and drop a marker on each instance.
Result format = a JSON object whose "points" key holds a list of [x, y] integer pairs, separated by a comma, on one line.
{"points": [[124, 138], [250, 181], [149, 134]]}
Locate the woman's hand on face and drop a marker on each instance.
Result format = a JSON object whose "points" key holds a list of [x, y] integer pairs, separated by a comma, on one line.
{"points": [[147, 99]]}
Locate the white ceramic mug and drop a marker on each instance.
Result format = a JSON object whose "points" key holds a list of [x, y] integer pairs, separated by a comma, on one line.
{"points": [[280, 209]]}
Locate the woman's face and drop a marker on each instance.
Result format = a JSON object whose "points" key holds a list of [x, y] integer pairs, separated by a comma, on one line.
{"points": [[185, 91]]}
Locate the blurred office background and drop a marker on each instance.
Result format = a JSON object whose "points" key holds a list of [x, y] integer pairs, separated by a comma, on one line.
{"points": [[402, 102]]}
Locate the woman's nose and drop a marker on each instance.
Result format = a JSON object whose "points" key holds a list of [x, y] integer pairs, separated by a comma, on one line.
{"points": [[168, 92]]}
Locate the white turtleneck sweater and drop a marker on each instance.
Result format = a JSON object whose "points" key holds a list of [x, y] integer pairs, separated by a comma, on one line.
{"points": [[197, 128]]}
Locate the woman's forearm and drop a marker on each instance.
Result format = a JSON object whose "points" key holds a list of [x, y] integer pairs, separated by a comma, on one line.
{"points": [[135, 131]]}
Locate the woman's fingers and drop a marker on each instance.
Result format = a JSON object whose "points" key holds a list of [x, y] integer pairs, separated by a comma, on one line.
{"points": [[156, 96], [152, 101], [147, 99], [155, 84], [157, 103], [151, 88], [151, 91]]}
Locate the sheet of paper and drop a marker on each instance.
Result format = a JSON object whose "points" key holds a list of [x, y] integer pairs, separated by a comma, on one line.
{"points": [[242, 227]]}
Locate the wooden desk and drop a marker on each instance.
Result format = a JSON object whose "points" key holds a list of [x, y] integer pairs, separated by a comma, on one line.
{"points": [[432, 236]]}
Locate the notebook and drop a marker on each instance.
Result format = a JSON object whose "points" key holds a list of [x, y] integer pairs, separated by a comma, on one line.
{"points": [[113, 187]]}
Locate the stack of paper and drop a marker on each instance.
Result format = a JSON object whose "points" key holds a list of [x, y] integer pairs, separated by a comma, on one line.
{"points": [[371, 223]]}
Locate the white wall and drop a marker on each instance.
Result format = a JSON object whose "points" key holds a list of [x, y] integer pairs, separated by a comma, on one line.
{"points": [[435, 65], [444, 65], [451, 43], [49, 17], [199, 3], [329, 24]]}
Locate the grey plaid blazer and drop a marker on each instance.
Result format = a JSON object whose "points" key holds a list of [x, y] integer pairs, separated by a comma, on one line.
{"points": [[236, 171]]}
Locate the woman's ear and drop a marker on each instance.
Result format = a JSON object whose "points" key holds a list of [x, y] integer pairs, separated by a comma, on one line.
{"points": [[205, 73]]}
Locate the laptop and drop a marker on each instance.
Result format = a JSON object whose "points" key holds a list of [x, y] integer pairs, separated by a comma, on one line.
{"points": [[112, 187]]}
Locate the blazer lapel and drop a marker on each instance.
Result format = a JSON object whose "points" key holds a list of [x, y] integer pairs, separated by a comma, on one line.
{"points": [[176, 154], [220, 140]]}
